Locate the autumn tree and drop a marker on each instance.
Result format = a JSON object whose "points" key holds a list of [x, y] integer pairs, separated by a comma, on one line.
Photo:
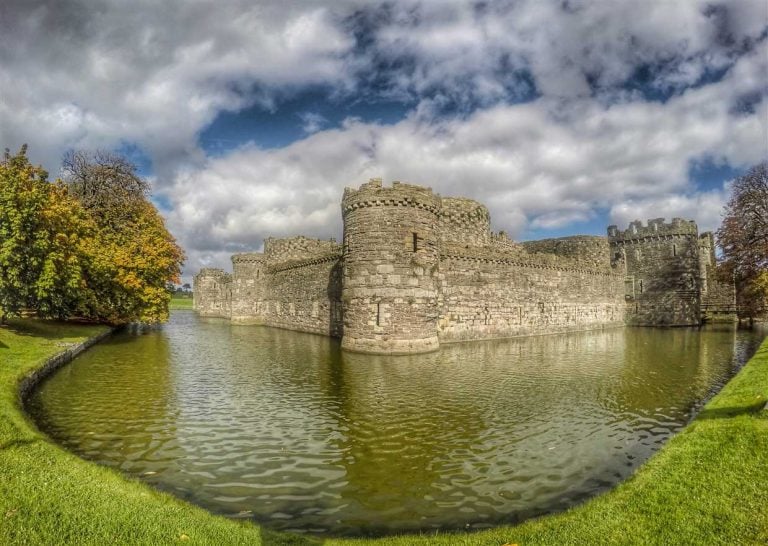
{"points": [[42, 235], [743, 238], [131, 255]]}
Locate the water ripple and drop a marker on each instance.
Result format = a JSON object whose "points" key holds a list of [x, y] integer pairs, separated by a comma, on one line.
{"points": [[285, 429]]}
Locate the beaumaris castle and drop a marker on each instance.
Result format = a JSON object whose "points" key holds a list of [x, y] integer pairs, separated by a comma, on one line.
{"points": [[415, 270]]}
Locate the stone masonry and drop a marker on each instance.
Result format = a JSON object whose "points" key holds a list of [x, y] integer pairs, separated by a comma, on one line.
{"points": [[416, 270]]}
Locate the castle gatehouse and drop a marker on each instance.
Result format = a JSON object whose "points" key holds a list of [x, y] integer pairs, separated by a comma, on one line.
{"points": [[415, 270]]}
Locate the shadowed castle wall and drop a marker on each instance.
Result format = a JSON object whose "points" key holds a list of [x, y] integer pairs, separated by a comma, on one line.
{"points": [[248, 288], [305, 295], [663, 276], [294, 284], [718, 298]]}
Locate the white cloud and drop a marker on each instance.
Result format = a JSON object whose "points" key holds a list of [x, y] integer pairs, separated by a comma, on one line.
{"points": [[537, 163], [74, 74], [705, 207], [79, 73]]}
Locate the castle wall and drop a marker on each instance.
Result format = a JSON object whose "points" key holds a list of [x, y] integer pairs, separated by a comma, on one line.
{"points": [[305, 296], [588, 250], [416, 270], [248, 287], [718, 299], [663, 276], [212, 295], [493, 295]]}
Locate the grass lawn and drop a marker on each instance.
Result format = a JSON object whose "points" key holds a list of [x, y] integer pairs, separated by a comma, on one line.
{"points": [[180, 303], [708, 485]]}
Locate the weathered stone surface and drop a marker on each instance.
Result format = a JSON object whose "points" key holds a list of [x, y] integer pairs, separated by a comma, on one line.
{"points": [[416, 269]]}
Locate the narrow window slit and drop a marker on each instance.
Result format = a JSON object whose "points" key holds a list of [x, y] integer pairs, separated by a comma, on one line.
{"points": [[378, 314]]}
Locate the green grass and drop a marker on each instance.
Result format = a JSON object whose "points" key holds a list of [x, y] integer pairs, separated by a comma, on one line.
{"points": [[708, 485], [178, 303]]}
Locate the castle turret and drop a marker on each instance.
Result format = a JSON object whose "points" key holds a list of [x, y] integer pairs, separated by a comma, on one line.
{"points": [[663, 279], [391, 259], [212, 293], [248, 287]]}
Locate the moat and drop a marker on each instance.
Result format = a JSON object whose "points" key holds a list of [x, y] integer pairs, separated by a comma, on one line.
{"points": [[286, 429]]}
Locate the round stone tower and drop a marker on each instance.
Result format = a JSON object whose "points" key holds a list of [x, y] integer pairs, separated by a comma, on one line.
{"points": [[391, 259]]}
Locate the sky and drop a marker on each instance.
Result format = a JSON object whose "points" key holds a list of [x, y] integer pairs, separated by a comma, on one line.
{"points": [[250, 118]]}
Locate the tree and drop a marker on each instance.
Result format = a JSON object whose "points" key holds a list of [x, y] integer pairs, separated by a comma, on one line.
{"points": [[41, 234], [103, 181], [743, 238], [131, 256]]}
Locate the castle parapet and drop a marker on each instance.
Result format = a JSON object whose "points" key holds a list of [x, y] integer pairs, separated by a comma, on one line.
{"points": [[374, 194], [293, 249], [464, 221], [657, 227]]}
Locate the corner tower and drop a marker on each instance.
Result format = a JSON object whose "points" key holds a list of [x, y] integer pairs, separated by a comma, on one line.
{"points": [[248, 287], [212, 293], [662, 284], [391, 256]]}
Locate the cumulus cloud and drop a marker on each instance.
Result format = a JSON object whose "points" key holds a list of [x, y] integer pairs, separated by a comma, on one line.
{"points": [[96, 74], [545, 110], [537, 162]]}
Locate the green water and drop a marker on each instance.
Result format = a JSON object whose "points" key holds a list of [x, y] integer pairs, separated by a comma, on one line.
{"points": [[284, 428]]}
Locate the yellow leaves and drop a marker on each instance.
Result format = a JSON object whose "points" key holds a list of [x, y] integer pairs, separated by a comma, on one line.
{"points": [[107, 264]]}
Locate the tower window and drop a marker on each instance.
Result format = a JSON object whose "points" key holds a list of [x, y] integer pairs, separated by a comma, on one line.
{"points": [[641, 286], [415, 241], [674, 250], [378, 314]]}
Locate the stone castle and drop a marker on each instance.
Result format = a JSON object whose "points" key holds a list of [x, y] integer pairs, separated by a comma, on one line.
{"points": [[416, 270]]}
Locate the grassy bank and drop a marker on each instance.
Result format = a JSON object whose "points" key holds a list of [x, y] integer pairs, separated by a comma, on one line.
{"points": [[49, 496], [707, 485], [178, 303]]}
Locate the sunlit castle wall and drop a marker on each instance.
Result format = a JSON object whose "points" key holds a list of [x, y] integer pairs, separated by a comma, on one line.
{"points": [[509, 289], [663, 284], [391, 253]]}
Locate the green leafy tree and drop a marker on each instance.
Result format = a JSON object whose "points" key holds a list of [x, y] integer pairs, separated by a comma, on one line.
{"points": [[743, 238], [41, 236]]}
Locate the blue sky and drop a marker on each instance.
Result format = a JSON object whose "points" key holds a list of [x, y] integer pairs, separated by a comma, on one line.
{"points": [[251, 118]]}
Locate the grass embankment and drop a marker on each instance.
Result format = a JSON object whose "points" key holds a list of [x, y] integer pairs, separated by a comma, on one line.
{"points": [[178, 303], [708, 485]]}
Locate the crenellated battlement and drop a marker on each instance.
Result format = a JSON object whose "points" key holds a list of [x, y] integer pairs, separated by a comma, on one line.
{"points": [[399, 194], [248, 258], [213, 272], [298, 248], [417, 270], [657, 227]]}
